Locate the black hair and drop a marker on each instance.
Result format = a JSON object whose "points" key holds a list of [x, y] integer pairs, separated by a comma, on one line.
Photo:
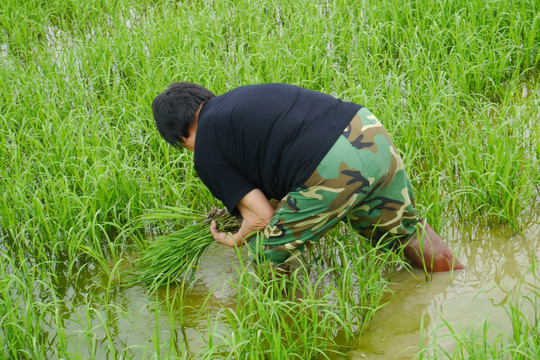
{"points": [[175, 108]]}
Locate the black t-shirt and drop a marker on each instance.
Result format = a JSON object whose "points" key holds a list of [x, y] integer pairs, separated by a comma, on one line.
{"points": [[270, 136]]}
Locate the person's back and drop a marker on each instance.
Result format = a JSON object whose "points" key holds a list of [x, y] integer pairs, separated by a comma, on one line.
{"points": [[269, 136]]}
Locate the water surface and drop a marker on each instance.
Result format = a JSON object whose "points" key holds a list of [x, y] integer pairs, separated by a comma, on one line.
{"points": [[496, 261]]}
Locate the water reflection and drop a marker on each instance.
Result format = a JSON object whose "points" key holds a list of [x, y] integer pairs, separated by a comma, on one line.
{"points": [[124, 320], [119, 318], [495, 259]]}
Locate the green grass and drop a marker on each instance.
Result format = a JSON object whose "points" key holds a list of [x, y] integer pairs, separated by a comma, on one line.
{"points": [[456, 84], [173, 257], [485, 341], [312, 313]]}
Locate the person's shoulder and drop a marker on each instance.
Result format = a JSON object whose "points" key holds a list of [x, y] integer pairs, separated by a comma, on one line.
{"points": [[264, 86], [253, 94]]}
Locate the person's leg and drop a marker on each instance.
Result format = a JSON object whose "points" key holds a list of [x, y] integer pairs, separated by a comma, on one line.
{"points": [[425, 249], [388, 209], [306, 214], [303, 216], [387, 213]]}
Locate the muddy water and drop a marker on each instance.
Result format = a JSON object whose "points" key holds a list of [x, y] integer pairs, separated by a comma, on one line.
{"points": [[496, 262]]}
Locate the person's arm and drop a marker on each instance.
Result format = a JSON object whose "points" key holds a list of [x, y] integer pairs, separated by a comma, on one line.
{"points": [[256, 211]]}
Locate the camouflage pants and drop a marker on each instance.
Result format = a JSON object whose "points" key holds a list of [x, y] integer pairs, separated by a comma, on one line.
{"points": [[361, 180]]}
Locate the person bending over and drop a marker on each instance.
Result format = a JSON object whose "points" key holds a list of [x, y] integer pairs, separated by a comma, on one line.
{"points": [[322, 159]]}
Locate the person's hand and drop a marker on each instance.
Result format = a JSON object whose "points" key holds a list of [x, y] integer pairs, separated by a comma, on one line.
{"points": [[221, 237], [256, 212]]}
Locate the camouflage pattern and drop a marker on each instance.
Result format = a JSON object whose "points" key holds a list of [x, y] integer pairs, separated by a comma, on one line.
{"points": [[361, 180]]}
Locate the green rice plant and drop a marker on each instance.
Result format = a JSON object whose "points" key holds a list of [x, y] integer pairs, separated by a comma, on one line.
{"points": [[174, 256], [456, 83], [267, 324], [364, 276], [29, 305], [316, 312], [489, 342]]}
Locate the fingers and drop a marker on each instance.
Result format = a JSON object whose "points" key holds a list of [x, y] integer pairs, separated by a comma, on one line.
{"points": [[218, 236]]}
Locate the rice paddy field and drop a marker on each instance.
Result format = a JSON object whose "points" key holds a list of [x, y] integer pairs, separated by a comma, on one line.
{"points": [[87, 185]]}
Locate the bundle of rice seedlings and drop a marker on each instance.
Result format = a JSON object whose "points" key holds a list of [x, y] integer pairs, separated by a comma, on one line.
{"points": [[174, 257]]}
